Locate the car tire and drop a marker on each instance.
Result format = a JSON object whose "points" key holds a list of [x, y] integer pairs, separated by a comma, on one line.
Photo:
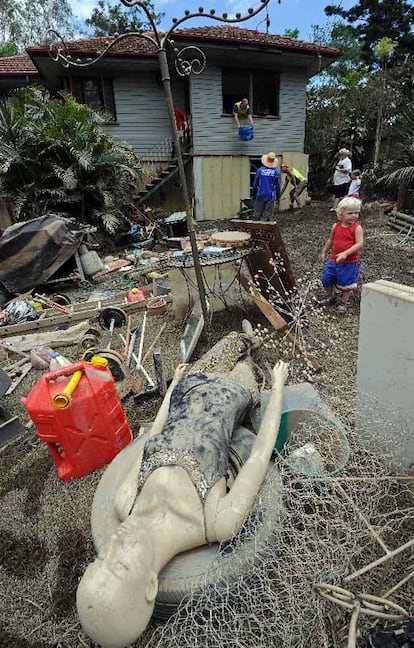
{"points": [[214, 564]]}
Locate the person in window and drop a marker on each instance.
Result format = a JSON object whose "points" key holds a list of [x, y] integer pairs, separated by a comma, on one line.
{"points": [[298, 182], [242, 109], [266, 187]]}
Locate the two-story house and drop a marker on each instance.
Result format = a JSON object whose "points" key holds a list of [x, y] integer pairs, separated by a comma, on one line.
{"points": [[272, 71]]}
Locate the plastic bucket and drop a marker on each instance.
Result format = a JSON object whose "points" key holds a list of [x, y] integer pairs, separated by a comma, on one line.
{"points": [[299, 427], [245, 133]]}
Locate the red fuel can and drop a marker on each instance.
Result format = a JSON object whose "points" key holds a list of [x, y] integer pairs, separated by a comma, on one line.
{"points": [[84, 427]]}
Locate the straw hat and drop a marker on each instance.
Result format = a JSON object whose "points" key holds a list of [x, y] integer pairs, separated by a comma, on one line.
{"points": [[270, 160], [344, 151]]}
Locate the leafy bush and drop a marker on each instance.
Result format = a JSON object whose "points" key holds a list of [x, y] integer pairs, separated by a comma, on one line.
{"points": [[401, 170], [55, 156]]}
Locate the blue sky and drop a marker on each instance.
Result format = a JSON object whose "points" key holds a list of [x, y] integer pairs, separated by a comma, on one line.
{"points": [[290, 14]]}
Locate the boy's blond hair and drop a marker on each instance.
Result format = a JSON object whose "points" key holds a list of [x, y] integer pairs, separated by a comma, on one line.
{"points": [[348, 202]]}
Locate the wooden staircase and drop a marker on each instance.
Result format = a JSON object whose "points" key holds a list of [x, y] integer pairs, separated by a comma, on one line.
{"points": [[159, 167], [160, 180]]}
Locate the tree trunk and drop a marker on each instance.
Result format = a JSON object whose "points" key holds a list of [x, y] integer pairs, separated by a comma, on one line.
{"points": [[402, 195], [378, 135]]}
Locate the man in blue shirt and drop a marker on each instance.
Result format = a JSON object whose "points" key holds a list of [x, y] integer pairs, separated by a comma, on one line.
{"points": [[266, 187]]}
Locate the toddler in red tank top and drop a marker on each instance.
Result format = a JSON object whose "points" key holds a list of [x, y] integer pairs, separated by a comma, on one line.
{"points": [[345, 241]]}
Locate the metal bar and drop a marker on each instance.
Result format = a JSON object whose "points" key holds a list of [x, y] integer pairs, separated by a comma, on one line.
{"points": [[140, 368], [165, 76], [141, 340]]}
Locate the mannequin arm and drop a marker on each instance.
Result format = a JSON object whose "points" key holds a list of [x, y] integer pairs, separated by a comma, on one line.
{"points": [[127, 492], [233, 508], [162, 413]]}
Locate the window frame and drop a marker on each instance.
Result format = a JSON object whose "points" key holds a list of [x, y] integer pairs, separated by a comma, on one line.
{"points": [[248, 91], [105, 90]]}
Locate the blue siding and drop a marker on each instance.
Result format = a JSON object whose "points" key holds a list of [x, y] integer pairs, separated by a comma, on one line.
{"points": [[214, 134], [141, 111], [143, 119]]}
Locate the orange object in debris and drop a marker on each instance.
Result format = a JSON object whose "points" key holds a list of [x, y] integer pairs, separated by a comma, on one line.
{"points": [[135, 295], [92, 427]]}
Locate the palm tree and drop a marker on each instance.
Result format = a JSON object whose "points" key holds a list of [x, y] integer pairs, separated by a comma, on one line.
{"points": [[54, 155], [402, 168]]}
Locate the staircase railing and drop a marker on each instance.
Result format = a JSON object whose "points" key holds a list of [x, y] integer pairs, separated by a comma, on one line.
{"points": [[155, 160]]}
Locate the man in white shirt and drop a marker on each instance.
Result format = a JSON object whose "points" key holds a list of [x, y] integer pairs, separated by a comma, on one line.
{"points": [[342, 176]]}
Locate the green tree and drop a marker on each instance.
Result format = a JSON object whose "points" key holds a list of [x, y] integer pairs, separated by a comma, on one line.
{"points": [[401, 169], [54, 155], [107, 19], [383, 51], [349, 69], [25, 23], [291, 33], [8, 49], [372, 20]]}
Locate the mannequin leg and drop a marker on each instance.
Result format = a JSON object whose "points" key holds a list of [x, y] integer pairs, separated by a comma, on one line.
{"points": [[224, 355]]}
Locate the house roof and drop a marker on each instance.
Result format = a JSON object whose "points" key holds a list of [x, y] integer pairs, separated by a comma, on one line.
{"points": [[232, 34], [133, 46], [16, 66], [27, 64]]}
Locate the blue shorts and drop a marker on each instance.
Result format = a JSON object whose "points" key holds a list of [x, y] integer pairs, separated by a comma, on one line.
{"points": [[342, 275]]}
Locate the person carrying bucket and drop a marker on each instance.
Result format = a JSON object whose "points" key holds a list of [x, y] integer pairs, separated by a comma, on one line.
{"points": [[242, 108]]}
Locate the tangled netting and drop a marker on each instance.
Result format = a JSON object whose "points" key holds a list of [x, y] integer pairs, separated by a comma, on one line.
{"points": [[327, 531]]}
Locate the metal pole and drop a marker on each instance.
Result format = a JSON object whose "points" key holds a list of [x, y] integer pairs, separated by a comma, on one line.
{"points": [[166, 82]]}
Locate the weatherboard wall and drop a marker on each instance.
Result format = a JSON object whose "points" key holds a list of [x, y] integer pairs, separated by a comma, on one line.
{"points": [[142, 117], [216, 134], [141, 110]]}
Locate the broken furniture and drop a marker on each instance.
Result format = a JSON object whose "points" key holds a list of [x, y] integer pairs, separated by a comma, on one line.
{"points": [[269, 265], [270, 251], [219, 271]]}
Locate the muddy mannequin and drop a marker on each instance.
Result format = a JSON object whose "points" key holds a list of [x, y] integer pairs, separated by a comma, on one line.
{"points": [[175, 497]]}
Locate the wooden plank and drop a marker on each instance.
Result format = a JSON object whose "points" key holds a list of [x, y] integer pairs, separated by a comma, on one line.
{"points": [[270, 237], [261, 302], [277, 320]]}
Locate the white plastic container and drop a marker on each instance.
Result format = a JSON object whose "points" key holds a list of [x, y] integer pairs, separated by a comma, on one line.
{"points": [[91, 263], [58, 361]]}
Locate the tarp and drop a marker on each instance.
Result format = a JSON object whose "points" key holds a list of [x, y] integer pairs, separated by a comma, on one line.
{"points": [[32, 251]]}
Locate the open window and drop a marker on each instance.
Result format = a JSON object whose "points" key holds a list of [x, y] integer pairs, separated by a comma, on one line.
{"points": [[260, 86], [95, 92]]}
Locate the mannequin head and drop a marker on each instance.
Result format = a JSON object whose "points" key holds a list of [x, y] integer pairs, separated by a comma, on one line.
{"points": [[116, 596]]}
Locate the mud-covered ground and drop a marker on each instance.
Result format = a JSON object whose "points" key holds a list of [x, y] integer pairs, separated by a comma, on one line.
{"points": [[44, 524]]}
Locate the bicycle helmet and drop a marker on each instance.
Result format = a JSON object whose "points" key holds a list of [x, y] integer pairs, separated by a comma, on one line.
{"points": [[19, 311]]}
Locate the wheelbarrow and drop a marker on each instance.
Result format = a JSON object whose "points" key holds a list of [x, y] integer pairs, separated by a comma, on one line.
{"points": [[246, 208]]}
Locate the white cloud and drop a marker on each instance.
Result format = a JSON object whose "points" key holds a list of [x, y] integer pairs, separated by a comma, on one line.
{"points": [[82, 9]]}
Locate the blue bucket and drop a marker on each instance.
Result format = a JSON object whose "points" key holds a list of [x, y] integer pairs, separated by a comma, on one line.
{"points": [[245, 133]]}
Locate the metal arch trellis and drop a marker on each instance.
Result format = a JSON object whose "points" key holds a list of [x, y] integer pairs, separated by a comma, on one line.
{"points": [[160, 40], [189, 60]]}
